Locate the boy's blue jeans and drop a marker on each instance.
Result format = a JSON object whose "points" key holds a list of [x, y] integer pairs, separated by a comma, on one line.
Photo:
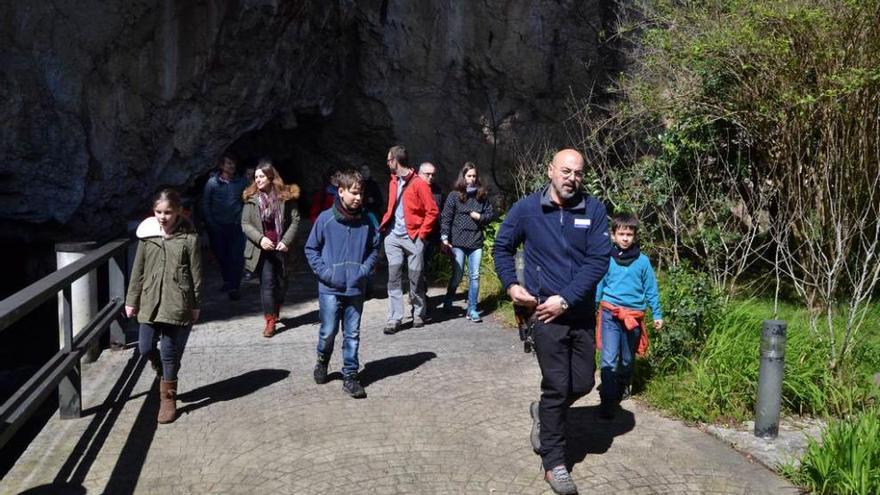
{"points": [[334, 309], [617, 358], [474, 257]]}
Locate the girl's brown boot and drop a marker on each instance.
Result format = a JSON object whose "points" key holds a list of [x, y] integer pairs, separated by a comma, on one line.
{"points": [[167, 401]]}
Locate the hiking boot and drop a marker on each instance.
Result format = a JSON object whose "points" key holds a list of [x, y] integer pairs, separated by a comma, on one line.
{"points": [[560, 481], [167, 401], [418, 322], [474, 316], [320, 372], [391, 327], [353, 388], [535, 435]]}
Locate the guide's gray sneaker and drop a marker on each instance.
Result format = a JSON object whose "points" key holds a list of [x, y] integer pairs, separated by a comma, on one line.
{"points": [[535, 435], [560, 481]]}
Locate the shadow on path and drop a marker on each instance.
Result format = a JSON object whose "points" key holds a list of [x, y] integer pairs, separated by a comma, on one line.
{"points": [[76, 468], [391, 366], [229, 389], [587, 433]]}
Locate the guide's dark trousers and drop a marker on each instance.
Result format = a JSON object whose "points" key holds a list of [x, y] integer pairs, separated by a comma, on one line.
{"points": [[566, 353]]}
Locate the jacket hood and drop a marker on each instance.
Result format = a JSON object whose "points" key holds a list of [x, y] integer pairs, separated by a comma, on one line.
{"points": [[150, 228]]}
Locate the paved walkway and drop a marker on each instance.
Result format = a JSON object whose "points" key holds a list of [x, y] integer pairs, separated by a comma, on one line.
{"points": [[447, 412]]}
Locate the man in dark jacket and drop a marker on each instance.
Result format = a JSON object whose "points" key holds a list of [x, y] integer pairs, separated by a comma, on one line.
{"points": [[428, 173], [342, 250], [565, 233], [221, 207]]}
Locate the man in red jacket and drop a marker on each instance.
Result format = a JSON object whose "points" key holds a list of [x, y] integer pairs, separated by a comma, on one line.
{"points": [[410, 218]]}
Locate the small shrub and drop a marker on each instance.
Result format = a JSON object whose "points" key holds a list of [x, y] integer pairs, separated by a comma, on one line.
{"points": [[847, 459], [691, 304]]}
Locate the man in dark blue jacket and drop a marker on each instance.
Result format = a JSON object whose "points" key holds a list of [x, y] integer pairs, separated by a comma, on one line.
{"points": [[565, 237], [221, 207], [342, 250]]}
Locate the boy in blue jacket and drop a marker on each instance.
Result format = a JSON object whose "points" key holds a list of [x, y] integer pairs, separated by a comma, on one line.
{"points": [[623, 295], [341, 250]]}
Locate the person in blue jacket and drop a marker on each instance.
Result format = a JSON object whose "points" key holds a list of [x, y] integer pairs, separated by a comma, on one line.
{"points": [[564, 232], [342, 250], [623, 295]]}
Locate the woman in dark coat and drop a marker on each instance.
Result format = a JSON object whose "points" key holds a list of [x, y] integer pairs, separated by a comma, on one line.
{"points": [[465, 214]]}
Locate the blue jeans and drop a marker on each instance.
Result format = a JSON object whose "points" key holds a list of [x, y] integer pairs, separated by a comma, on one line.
{"points": [[474, 257], [227, 243], [348, 309], [172, 342], [618, 356]]}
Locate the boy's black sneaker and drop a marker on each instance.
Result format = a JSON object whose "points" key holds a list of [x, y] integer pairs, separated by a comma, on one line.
{"points": [[391, 327], [353, 388], [607, 409], [320, 373]]}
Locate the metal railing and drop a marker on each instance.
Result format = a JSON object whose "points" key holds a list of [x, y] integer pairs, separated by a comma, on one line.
{"points": [[62, 371]]}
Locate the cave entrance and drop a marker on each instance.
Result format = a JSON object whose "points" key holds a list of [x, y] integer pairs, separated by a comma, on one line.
{"points": [[296, 152]]}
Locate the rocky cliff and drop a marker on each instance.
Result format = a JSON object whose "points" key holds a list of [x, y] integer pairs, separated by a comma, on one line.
{"points": [[104, 101]]}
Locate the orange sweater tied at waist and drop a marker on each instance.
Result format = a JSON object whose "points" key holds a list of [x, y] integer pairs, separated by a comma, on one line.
{"points": [[631, 318]]}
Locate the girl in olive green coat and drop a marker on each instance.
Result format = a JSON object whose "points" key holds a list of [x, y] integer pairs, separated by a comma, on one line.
{"points": [[165, 291], [269, 221]]}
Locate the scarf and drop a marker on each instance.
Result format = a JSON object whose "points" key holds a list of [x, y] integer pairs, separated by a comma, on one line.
{"points": [[625, 257], [271, 210], [471, 189], [344, 215]]}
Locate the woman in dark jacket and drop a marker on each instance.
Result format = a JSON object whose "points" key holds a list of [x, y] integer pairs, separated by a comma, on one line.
{"points": [[466, 212], [269, 220]]}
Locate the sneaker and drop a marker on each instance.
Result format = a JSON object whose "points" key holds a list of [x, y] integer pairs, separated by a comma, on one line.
{"points": [[625, 392], [391, 327], [320, 372], [418, 322], [535, 435], [474, 316], [353, 388], [607, 409], [560, 481], [234, 295]]}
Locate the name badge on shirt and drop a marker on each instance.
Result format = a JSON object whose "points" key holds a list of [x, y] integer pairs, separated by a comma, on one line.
{"points": [[581, 223]]}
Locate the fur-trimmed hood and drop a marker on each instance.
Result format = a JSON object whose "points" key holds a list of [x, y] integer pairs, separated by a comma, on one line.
{"points": [[150, 228]]}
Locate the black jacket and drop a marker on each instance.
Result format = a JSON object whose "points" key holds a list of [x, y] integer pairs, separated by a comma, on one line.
{"points": [[456, 224]]}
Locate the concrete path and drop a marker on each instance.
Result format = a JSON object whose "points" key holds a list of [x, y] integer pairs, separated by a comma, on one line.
{"points": [[447, 412]]}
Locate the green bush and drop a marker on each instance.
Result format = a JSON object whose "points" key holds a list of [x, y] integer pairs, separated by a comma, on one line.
{"points": [[691, 304], [847, 459]]}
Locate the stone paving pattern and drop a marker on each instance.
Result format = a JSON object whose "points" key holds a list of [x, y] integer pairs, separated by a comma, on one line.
{"points": [[447, 412]]}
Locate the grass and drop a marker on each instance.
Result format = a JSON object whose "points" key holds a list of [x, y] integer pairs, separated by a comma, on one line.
{"points": [[720, 383]]}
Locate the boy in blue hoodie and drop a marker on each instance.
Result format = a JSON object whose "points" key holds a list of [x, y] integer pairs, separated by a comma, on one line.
{"points": [[341, 250], [623, 295]]}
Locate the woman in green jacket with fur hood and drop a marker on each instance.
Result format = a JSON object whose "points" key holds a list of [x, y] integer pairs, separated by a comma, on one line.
{"points": [[165, 291], [269, 221]]}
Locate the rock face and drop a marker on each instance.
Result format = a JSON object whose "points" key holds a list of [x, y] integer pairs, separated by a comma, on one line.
{"points": [[105, 101]]}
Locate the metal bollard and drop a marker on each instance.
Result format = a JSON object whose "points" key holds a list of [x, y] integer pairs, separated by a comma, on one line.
{"points": [[84, 292], [770, 379]]}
